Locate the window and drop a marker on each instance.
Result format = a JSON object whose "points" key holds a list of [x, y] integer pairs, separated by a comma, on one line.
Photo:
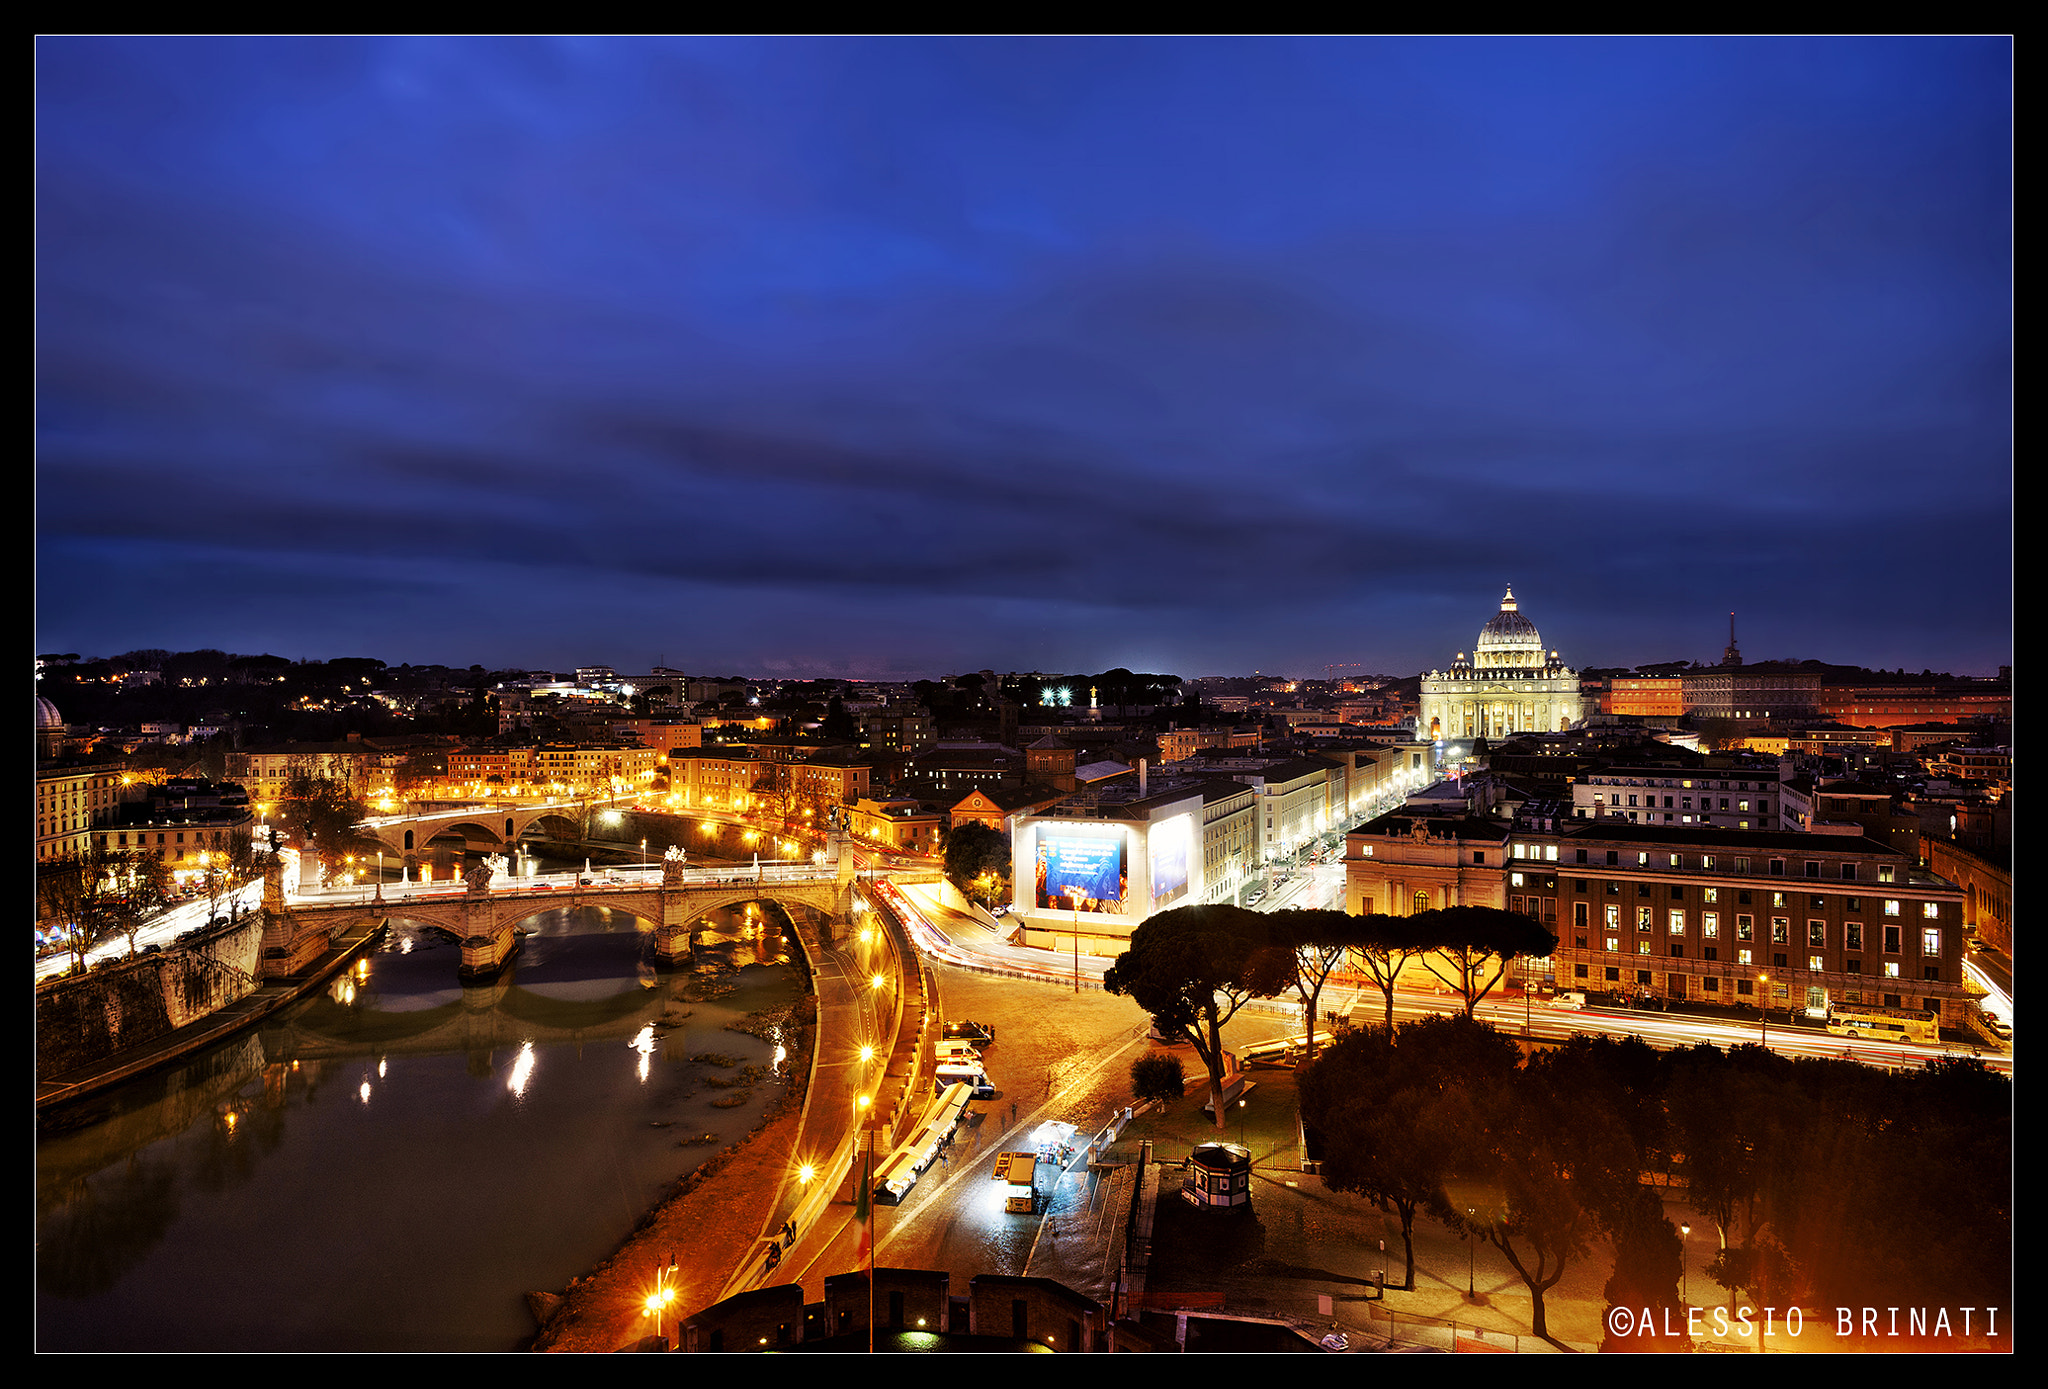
{"points": [[1852, 967], [1579, 856], [1891, 940], [1579, 916], [1891, 907], [1930, 942], [1885, 871], [1816, 935], [1677, 952], [1931, 910], [1478, 855], [1852, 935], [1781, 931], [1713, 984], [1777, 868], [1745, 928], [1613, 917], [1812, 869], [1777, 899], [1614, 945], [1744, 957], [1710, 895], [1514, 879], [1848, 872], [1643, 918], [1891, 969], [1613, 857], [1677, 923], [1712, 952], [1710, 925], [1642, 889]]}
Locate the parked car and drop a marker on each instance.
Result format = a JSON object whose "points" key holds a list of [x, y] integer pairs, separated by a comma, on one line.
{"points": [[965, 1031]]}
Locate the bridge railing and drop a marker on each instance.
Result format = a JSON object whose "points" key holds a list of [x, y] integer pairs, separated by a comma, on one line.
{"points": [[617, 878]]}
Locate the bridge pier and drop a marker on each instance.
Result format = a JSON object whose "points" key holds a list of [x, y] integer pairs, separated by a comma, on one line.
{"points": [[487, 943]]}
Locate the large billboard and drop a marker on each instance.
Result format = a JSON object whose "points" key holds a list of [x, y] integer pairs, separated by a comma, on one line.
{"points": [[1081, 869], [1170, 843]]}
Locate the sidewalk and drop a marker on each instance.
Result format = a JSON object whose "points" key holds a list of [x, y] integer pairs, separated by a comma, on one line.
{"points": [[1302, 1243]]}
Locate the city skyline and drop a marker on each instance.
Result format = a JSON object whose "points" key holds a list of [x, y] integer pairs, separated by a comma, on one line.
{"points": [[882, 358]]}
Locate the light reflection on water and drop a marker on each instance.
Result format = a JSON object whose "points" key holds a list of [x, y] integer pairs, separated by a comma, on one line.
{"points": [[514, 1132]]}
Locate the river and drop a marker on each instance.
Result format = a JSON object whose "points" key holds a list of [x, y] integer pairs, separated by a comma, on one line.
{"points": [[393, 1164]]}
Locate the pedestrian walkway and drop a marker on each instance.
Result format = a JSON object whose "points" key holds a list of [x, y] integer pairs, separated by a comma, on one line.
{"points": [[1303, 1254]]}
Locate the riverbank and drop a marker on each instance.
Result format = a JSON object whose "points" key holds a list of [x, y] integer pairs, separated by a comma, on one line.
{"points": [[708, 1226], [217, 1026]]}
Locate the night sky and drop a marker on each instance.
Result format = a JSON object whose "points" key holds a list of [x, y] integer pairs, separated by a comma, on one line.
{"points": [[895, 358]]}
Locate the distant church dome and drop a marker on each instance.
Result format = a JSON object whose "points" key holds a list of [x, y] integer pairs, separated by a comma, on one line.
{"points": [[1510, 685], [47, 717], [1508, 639]]}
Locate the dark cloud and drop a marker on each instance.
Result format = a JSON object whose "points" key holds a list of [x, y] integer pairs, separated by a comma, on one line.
{"points": [[883, 354]]}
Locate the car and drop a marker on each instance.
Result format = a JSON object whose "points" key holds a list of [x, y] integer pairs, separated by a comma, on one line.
{"points": [[2000, 1028], [1574, 999], [967, 1031]]}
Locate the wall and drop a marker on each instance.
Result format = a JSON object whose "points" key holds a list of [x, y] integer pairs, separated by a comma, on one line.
{"points": [[83, 1020]]}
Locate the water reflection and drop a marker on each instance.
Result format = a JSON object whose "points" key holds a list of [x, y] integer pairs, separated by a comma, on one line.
{"points": [[519, 1129]]}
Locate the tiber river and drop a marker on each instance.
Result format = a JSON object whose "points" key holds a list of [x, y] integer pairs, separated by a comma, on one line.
{"points": [[392, 1165]]}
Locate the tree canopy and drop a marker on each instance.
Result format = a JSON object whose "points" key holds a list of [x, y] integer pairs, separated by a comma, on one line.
{"points": [[1193, 968]]}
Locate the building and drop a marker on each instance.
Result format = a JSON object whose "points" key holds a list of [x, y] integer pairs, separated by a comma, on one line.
{"points": [[1745, 797], [71, 800], [1510, 685], [1706, 916]]}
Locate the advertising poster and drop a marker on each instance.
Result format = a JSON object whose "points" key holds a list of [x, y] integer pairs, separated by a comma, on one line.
{"points": [[1169, 846], [1081, 872]]}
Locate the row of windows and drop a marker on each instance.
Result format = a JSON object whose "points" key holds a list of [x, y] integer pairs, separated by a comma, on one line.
{"points": [[1846, 870], [1779, 898], [1678, 923], [1747, 955]]}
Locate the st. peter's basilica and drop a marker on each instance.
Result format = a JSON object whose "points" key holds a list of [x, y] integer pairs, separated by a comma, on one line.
{"points": [[1510, 685]]}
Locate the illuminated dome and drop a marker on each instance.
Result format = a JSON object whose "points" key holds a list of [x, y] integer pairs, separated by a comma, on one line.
{"points": [[1508, 639]]}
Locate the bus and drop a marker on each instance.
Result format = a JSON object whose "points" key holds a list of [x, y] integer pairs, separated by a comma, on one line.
{"points": [[1884, 1024]]}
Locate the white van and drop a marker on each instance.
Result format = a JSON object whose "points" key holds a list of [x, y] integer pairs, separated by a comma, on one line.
{"points": [[1574, 999], [966, 1073]]}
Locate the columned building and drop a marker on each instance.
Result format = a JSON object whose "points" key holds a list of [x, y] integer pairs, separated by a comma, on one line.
{"points": [[1510, 685]]}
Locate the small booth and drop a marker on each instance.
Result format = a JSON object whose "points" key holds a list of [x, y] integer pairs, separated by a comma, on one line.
{"points": [[1218, 1174], [1019, 1173]]}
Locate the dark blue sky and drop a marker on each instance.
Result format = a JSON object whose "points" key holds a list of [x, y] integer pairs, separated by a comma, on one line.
{"points": [[897, 356]]}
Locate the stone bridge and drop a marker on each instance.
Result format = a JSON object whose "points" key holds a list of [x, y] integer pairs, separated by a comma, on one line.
{"points": [[484, 918], [482, 827]]}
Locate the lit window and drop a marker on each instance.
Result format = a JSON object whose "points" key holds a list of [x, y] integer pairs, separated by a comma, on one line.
{"points": [[1891, 969], [1930, 910], [1678, 923], [1813, 962], [1816, 935], [1891, 908], [1642, 918], [1781, 931], [1743, 957], [1613, 944], [1930, 942]]}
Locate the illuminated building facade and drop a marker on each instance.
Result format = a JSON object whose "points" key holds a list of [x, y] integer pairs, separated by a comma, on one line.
{"points": [[1510, 685]]}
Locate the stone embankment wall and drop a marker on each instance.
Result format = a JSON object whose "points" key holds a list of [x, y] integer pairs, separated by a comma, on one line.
{"points": [[84, 1019]]}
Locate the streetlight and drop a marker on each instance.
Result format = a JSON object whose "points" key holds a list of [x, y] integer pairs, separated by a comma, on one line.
{"points": [[1471, 1254], [1685, 1256], [1763, 1008]]}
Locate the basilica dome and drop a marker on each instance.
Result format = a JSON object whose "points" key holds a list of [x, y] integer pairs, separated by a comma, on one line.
{"points": [[1509, 639]]}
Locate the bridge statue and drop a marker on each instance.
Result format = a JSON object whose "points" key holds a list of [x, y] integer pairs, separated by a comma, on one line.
{"points": [[479, 878], [672, 866]]}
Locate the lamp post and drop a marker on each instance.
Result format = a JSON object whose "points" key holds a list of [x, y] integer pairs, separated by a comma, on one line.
{"points": [[1763, 1009], [1684, 1257], [1471, 1254]]}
